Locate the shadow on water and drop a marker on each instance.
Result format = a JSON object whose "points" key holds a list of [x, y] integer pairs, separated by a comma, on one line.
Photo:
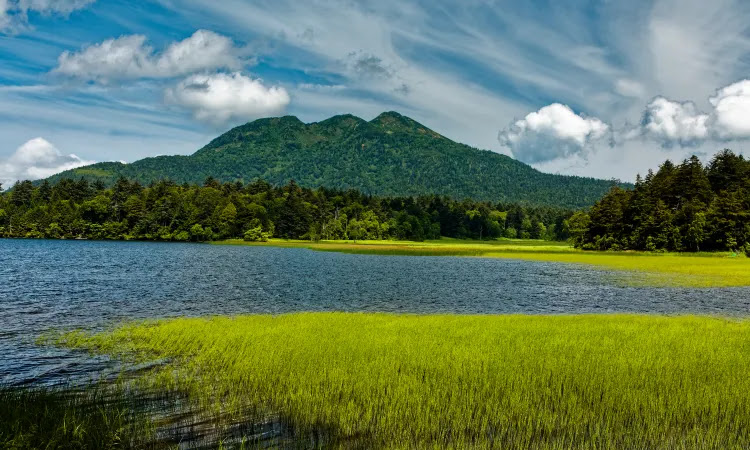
{"points": [[104, 415]]}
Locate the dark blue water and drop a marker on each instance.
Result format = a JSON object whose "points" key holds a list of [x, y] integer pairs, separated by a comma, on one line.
{"points": [[66, 284]]}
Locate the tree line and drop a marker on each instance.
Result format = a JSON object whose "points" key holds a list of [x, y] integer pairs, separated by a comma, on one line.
{"points": [[685, 207], [167, 211]]}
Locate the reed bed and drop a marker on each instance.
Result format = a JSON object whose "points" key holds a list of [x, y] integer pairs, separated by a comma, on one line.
{"points": [[347, 380]]}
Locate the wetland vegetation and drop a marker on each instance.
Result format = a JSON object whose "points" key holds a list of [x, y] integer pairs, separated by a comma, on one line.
{"points": [[446, 381]]}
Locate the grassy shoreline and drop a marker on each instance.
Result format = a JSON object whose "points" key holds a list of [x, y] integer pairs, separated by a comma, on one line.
{"points": [[354, 380], [701, 270]]}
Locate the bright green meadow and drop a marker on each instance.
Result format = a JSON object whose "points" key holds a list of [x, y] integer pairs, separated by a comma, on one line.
{"points": [[349, 380], [635, 268]]}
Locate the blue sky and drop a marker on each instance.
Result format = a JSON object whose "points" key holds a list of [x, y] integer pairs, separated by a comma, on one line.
{"points": [[601, 88]]}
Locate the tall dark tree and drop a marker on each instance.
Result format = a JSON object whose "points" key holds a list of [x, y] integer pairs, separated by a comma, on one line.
{"points": [[22, 193], [294, 217], [45, 191]]}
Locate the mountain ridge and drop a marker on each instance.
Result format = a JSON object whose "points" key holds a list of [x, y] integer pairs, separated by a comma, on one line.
{"points": [[390, 155]]}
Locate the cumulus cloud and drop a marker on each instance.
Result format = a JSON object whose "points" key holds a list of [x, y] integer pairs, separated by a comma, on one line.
{"points": [[680, 123], [671, 122], [221, 98], [130, 57], [553, 132], [36, 159], [14, 13], [731, 115]]}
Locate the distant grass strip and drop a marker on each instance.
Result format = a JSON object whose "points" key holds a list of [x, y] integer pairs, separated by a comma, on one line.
{"points": [[404, 381], [639, 268]]}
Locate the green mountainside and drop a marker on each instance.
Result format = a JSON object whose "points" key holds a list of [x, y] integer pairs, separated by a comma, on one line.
{"points": [[390, 155]]}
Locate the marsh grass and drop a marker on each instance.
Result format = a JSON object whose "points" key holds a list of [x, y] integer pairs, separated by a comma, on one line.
{"points": [[402, 381], [71, 418], [702, 270], [114, 415]]}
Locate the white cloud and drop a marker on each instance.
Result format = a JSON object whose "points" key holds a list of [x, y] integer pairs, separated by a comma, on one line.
{"points": [[14, 13], [220, 98], [673, 122], [36, 159], [731, 115], [130, 57], [553, 132], [556, 139]]}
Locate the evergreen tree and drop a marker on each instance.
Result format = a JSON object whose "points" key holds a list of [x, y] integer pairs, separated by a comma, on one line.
{"points": [[685, 208]]}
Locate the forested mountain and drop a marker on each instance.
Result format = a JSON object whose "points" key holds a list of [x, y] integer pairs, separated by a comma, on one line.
{"points": [[687, 207], [390, 155], [170, 212]]}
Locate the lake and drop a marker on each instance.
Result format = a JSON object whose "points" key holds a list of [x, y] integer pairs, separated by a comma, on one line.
{"points": [[67, 284]]}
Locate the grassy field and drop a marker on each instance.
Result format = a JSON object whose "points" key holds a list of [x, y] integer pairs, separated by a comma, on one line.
{"points": [[402, 381], [639, 268]]}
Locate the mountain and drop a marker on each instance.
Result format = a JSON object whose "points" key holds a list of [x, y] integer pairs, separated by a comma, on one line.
{"points": [[390, 155]]}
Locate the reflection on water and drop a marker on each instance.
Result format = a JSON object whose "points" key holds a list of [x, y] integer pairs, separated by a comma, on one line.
{"points": [[63, 284]]}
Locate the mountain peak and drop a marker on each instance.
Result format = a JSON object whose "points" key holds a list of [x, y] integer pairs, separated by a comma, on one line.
{"points": [[393, 122], [345, 120], [275, 121]]}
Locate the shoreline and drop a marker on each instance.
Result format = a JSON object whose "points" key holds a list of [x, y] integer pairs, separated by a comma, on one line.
{"points": [[688, 270]]}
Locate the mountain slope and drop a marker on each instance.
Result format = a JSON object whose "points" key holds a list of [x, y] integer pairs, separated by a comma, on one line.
{"points": [[390, 155]]}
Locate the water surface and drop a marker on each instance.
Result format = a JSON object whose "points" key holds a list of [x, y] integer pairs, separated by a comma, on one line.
{"points": [[67, 284]]}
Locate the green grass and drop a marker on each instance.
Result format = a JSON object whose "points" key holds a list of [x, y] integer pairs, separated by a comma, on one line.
{"points": [[404, 381], [638, 268]]}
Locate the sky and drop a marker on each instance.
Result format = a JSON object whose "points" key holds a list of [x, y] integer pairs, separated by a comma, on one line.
{"points": [[600, 88]]}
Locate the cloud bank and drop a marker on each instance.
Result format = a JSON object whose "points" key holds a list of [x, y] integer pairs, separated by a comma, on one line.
{"points": [[680, 123], [221, 98], [36, 159], [130, 57], [556, 132]]}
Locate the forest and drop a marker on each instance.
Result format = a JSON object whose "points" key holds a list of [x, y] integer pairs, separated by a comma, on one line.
{"points": [[166, 211], [685, 207]]}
